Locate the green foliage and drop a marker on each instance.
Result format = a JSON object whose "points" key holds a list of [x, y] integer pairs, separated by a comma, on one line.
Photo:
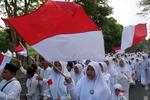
{"points": [[142, 46], [4, 41], [31, 51], [11, 8], [98, 11], [145, 7]]}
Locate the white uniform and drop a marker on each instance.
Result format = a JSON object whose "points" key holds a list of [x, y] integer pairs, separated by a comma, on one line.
{"points": [[58, 88], [45, 74], [76, 77], [32, 86], [124, 78], [137, 70], [105, 73], [95, 89], [120, 95], [144, 74], [11, 91]]}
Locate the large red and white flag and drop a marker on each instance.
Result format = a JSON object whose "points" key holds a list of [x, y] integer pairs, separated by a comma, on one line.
{"points": [[3, 60], [21, 50], [132, 35], [60, 31]]}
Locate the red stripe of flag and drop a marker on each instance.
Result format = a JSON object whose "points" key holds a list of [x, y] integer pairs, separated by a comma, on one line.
{"points": [[19, 48], [1, 58], [140, 32], [116, 48], [51, 19]]}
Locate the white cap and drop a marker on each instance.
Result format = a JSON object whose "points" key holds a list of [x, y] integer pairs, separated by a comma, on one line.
{"points": [[118, 86]]}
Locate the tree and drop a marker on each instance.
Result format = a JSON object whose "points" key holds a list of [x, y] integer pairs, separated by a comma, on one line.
{"points": [[4, 41], [145, 7], [99, 10], [11, 8]]}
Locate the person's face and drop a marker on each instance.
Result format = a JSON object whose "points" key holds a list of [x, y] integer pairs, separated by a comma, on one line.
{"points": [[6, 74], [117, 91], [137, 60], [121, 63], [69, 68], [58, 66], [44, 63], [90, 72], [76, 70]]}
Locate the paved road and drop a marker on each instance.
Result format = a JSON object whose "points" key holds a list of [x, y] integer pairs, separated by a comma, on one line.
{"points": [[139, 93]]}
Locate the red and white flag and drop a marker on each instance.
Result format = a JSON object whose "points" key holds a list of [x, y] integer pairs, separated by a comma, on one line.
{"points": [[132, 35], [116, 49], [21, 50], [3, 61], [60, 31]]}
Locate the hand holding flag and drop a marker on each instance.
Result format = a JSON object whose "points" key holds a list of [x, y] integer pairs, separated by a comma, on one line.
{"points": [[50, 82]]}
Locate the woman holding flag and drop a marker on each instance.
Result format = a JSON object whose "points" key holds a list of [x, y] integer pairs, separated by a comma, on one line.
{"points": [[90, 87], [59, 88]]}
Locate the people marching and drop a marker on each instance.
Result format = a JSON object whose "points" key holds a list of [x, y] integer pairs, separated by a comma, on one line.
{"points": [[108, 79]]}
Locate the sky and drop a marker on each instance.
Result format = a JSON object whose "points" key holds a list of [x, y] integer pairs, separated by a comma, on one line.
{"points": [[124, 11]]}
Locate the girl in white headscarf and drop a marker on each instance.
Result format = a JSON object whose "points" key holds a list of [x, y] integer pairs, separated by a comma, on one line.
{"points": [[105, 73], [77, 73], [118, 93], [58, 88], [111, 69], [92, 86], [124, 76], [144, 71]]}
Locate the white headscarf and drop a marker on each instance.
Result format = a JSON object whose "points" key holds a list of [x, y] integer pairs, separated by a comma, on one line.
{"points": [[94, 89], [105, 73], [75, 76], [105, 67], [58, 88]]}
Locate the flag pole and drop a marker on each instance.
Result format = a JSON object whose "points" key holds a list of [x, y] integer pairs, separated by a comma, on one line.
{"points": [[57, 69]]}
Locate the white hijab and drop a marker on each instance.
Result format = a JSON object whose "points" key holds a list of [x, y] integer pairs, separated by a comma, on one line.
{"points": [[85, 86], [76, 76], [58, 88]]}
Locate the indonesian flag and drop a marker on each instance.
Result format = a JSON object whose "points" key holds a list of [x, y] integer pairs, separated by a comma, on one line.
{"points": [[60, 31], [21, 50], [3, 60], [116, 48], [132, 35]]}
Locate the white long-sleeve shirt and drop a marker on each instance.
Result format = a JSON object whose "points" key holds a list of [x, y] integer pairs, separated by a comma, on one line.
{"points": [[23, 70], [120, 97], [45, 74], [32, 86], [11, 91]]}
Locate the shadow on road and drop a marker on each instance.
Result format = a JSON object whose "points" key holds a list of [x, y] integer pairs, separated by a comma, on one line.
{"points": [[138, 92]]}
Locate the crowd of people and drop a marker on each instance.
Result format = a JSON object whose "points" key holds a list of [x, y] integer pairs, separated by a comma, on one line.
{"points": [[108, 79]]}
